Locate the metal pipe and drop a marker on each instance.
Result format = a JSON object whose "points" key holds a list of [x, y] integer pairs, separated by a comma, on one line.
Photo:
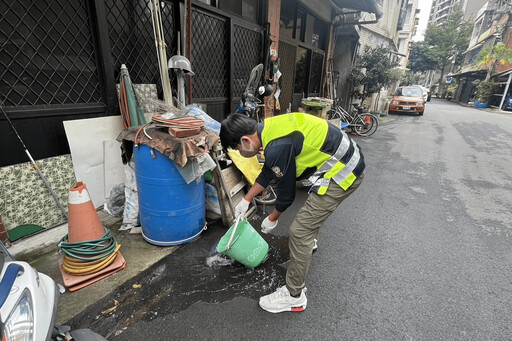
{"points": [[156, 18], [34, 164], [505, 92]]}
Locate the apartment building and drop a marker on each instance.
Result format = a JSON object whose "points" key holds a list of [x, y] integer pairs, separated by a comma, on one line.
{"points": [[492, 27], [441, 9]]}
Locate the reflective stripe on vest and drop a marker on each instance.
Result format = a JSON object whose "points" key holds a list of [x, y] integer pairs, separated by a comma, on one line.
{"points": [[338, 155], [339, 172], [349, 167]]}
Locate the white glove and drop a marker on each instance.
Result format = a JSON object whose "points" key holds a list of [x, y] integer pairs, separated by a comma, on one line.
{"points": [[241, 208], [267, 225]]}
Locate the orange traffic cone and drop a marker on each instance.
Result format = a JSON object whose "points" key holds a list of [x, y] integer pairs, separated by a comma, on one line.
{"points": [[83, 222]]}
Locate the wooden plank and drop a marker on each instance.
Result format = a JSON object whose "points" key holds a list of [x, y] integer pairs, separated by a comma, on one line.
{"points": [[238, 197], [229, 179], [223, 200], [239, 186], [232, 176]]}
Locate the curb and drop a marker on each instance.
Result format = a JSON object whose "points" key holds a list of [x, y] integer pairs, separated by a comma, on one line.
{"points": [[41, 243]]}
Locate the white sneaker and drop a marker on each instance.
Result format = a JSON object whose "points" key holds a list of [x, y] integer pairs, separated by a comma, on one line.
{"points": [[281, 300], [315, 247]]}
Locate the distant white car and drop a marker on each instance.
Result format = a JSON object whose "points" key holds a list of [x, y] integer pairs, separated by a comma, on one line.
{"points": [[426, 92]]}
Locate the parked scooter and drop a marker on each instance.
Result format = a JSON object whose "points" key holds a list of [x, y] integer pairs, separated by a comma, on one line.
{"points": [[28, 305], [251, 100], [251, 103]]}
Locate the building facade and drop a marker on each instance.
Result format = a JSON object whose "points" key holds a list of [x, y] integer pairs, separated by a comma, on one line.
{"points": [[439, 12], [407, 25], [492, 27], [394, 30], [61, 60], [441, 9]]}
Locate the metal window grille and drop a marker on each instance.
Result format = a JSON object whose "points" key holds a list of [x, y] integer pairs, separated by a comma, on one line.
{"points": [[132, 40], [247, 54], [287, 55], [209, 56], [47, 55], [315, 76]]}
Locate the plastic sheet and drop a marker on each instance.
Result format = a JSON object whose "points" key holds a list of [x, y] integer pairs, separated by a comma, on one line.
{"points": [[131, 206], [196, 167], [194, 110], [115, 202]]}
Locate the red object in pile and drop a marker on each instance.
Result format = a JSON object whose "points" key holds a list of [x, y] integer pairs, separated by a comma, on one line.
{"points": [[184, 126], [177, 132]]}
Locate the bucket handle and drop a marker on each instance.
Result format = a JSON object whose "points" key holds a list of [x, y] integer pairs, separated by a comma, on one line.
{"points": [[234, 231]]}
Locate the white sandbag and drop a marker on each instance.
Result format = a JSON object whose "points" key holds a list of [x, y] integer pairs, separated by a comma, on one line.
{"points": [[131, 205]]}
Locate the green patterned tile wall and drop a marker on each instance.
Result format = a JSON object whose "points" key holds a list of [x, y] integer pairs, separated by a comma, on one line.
{"points": [[24, 199]]}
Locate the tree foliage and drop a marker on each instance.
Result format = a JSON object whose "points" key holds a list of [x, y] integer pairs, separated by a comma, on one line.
{"points": [[422, 58], [442, 44], [452, 87], [494, 55], [409, 78], [372, 71]]}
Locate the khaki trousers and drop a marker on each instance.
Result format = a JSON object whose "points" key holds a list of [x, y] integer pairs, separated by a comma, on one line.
{"points": [[305, 227]]}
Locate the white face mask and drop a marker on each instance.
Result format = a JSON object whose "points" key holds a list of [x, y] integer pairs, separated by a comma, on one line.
{"points": [[245, 149]]}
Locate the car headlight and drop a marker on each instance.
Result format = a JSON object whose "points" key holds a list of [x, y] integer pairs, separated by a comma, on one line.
{"points": [[395, 102], [19, 325], [419, 103]]}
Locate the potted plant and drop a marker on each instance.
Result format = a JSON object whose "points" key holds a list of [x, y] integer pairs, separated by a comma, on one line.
{"points": [[484, 93]]}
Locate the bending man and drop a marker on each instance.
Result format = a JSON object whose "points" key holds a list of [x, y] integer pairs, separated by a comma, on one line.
{"points": [[296, 146]]}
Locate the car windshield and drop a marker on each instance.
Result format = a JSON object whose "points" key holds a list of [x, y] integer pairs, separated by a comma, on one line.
{"points": [[409, 92]]}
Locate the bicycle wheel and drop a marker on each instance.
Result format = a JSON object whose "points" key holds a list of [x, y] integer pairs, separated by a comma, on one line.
{"points": [[365, 124], [333, 114]]}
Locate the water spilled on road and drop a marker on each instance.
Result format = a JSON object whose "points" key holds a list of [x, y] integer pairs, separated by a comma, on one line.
{"points": [[191, 274], [217, 260]]}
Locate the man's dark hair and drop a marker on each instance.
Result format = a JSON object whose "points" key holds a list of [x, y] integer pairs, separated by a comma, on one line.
{"points": [[234, 127]]}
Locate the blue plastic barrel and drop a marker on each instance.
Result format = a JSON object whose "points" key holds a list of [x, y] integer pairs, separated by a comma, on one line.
{"points": [[171, 211]]}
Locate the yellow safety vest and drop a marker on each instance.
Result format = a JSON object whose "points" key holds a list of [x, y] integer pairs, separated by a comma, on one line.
{"points": [[314, 130]]}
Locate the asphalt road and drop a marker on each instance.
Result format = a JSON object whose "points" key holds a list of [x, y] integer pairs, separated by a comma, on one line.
{"points": [[421, 251]]}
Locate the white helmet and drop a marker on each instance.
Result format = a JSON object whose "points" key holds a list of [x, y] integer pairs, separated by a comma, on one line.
{"points": [[180, 63]]}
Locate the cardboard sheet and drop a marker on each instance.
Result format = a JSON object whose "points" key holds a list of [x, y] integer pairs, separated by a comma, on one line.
{"points": [[89, 151]]}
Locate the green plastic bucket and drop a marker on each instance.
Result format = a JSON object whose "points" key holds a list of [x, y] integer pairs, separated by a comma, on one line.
{"points": [[243, 244]]}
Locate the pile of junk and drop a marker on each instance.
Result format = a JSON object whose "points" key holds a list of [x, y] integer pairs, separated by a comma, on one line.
{"points": [[176, 175], [177, 167]]}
